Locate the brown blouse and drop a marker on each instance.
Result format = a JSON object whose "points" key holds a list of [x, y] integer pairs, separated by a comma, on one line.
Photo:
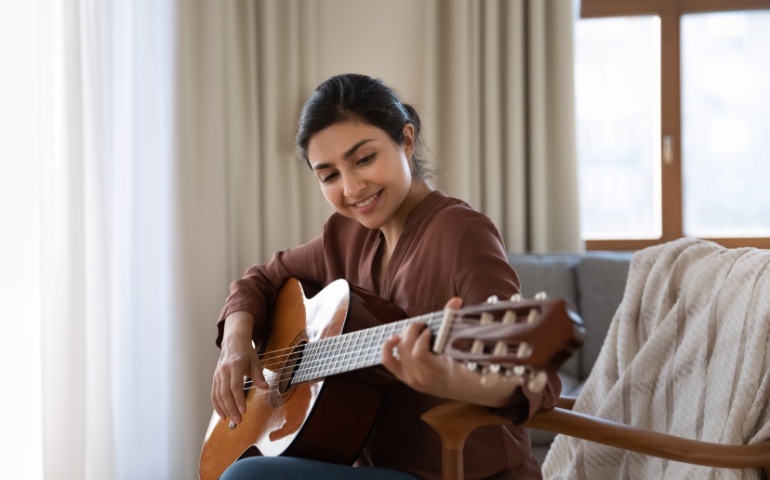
{"points": [[447, 249]]}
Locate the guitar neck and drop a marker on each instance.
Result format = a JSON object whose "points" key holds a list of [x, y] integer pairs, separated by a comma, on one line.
{"points": [[354, 350]]}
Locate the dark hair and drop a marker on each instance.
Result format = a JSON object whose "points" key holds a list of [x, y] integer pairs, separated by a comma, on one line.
{"points": [[353, 96]]}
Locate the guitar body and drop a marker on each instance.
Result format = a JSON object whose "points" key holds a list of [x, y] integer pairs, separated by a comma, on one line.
{"points": [[327, 419]]}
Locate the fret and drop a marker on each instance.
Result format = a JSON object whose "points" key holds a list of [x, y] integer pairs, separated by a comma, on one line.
{"points": [[353, 353], [372, 338], [359, 351], [330, 357], [343, 354], [323, 353], [333, 359], [309, 360]]}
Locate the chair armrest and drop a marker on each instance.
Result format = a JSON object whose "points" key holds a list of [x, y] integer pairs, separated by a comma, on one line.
{"points": [[565, 402], [648, 442]]}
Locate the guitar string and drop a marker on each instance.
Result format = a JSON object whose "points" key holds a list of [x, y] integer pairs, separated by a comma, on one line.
{"points": [[274, 383], [283, 373], [327, 368], [290, 364], [275, 359], [429, 319]]}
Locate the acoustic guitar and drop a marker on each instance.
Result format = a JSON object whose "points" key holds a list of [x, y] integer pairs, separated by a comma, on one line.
{"points": [[315, 409]]}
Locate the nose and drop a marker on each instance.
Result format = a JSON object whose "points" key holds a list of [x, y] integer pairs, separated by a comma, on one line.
{"points": [[352, 183]]}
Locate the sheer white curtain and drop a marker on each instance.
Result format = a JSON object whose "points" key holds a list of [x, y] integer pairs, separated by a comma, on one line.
{"points": [[20, 266], [98, 351], [107, 230]]}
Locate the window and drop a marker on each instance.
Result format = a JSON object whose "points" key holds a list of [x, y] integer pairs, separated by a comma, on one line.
{"points": [[673, 114]]}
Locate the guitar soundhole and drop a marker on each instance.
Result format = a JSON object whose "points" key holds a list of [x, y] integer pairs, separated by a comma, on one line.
{"points": [[289, 369]]}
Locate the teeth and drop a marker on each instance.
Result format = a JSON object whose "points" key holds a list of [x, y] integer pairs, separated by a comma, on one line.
{"points": [[367, 201]]}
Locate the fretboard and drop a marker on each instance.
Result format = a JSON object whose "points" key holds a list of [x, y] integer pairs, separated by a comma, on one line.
{"points": [[355, 350]]}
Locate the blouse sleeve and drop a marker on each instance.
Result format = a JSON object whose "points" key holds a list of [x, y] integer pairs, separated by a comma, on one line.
{"points": [[481, 269], [480, 266], [257, 290]]}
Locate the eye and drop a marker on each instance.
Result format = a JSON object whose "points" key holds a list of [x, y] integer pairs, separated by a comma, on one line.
{"points": [[328, 178], [366, 159]]}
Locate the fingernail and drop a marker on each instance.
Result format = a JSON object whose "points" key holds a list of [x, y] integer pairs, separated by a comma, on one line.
{"points": [[242, 410]]}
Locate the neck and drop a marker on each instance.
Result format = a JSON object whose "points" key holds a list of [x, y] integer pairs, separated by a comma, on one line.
{"points": [[392, 232], [355, 350]]}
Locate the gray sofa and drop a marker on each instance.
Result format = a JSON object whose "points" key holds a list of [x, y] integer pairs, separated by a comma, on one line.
{"points": [[594, 283]]}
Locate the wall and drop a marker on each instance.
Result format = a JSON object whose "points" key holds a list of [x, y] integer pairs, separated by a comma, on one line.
{"points": [[387, 42]]}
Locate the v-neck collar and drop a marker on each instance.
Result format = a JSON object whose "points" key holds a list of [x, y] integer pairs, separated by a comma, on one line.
{"points": [[415, 217]]}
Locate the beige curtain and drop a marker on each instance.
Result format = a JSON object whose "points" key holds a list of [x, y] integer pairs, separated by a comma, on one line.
{"points": [[500, 106], [244, 71]]}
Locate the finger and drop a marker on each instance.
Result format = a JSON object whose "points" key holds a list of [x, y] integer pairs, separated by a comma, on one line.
{"points": [[389, 360], [409, 336], [422, 345], [240, 399], [215, 399], [226, 397], [454, 303], [256, 373]]}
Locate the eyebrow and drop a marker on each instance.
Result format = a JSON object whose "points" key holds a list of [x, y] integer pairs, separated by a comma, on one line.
{"points": [[347, 154]]}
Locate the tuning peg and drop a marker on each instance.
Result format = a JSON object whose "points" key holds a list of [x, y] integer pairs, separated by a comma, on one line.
{"points": [[471, 366], [516, 297], [540, 296], [519, 370], [537, 382], [524, 350], [492, 299]]}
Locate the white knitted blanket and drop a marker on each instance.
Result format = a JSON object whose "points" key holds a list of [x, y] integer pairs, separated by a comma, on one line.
{"points": [[687, 353]]}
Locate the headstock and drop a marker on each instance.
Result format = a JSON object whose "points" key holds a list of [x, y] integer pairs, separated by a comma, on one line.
{"points": [[522, 339]]}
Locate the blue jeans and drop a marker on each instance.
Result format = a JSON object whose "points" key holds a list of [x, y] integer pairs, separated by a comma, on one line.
{"points": [[289, 468]]}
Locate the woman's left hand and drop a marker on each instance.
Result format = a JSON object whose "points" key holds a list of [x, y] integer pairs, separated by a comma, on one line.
{"points": [[409, 357]]}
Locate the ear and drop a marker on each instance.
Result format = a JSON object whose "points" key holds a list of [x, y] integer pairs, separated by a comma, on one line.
{"points": [[408, 140]]}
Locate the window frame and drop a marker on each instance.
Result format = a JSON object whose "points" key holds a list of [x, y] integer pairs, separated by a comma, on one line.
{"points": [[670, 13]]}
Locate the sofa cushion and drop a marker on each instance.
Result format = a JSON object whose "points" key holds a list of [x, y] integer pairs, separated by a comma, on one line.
{"points": [[601, 280]]}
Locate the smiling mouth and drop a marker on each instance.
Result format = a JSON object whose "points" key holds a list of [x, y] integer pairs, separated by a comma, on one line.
{"points": [[368, 201]]}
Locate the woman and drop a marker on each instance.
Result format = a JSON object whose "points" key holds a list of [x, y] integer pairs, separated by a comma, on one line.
{"points": [[396, 236]]}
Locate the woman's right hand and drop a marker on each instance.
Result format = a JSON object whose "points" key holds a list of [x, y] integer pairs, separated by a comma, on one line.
{"points": [[237, 360]]}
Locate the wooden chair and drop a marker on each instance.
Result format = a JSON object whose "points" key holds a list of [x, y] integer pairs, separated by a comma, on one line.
{"points": [[454, 421]]}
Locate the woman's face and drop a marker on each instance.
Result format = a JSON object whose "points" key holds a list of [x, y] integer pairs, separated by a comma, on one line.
{"points": [[363, 173]]}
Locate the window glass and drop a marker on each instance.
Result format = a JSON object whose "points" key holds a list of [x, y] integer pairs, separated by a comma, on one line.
{"points": [[617, 86], [726, 124]]}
